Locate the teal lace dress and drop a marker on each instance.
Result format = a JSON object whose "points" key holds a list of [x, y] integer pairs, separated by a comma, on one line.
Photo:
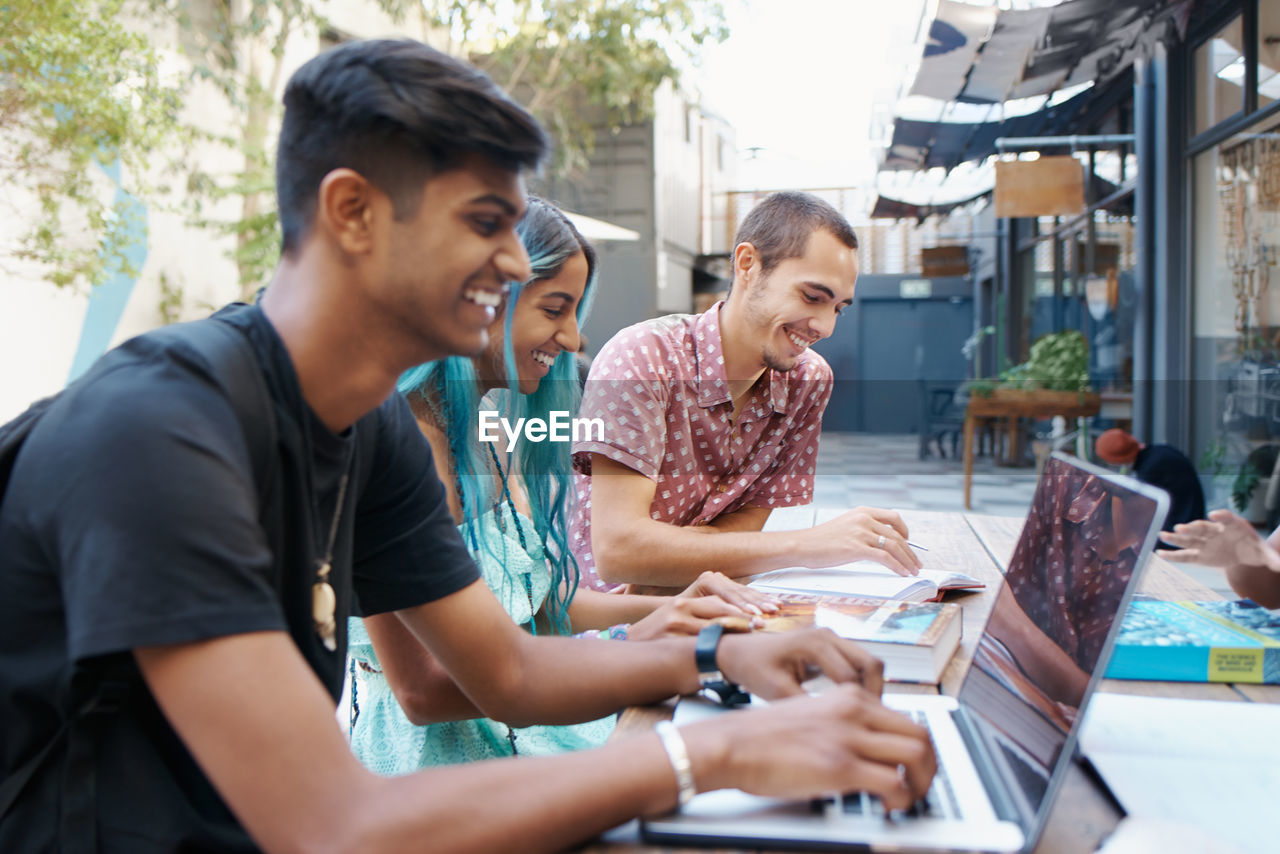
{"points": [[384, 739]]}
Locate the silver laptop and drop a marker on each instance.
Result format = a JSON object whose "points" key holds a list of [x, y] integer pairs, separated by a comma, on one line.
{"points": [[1005, 744]]}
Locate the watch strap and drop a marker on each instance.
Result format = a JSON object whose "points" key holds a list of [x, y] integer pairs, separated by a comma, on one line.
{"points": [[710, 679], [705, 654]]}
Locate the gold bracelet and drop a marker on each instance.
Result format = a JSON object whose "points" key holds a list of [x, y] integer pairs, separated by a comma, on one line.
{"points": [[673, 743]]}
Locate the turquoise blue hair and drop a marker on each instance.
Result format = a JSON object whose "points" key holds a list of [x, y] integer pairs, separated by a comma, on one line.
{"points": [[550, 240]]}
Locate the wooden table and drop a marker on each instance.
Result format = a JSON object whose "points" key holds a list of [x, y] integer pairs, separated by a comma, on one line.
{"points": [[1083, 813], [1012, 404]]}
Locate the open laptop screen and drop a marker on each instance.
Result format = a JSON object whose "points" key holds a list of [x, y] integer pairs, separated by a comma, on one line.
{"points": [[1066, 584]]}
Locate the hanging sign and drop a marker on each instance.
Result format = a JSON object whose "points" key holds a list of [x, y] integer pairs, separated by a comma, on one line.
{"points": [[1049, 186]]}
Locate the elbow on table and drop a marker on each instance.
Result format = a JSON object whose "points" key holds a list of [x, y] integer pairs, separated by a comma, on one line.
{"points": [[614, 553], [1257, 583], [420, 705]]}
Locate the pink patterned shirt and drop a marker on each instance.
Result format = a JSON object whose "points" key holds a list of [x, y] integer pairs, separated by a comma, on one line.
{"points": [[660, 389]]}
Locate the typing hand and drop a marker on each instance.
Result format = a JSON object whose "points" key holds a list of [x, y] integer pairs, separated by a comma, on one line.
{"points": [[774, 665], [841, 741], [862, 533]]}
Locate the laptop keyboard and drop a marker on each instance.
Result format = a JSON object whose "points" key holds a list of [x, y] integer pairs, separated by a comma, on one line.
{"points": [[938, 802]]}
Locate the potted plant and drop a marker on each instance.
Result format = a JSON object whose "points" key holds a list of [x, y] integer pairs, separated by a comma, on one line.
{"points": [[1057, 373], [1249, 500]]}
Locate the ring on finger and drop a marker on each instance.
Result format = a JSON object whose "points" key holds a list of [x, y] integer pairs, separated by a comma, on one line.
{"points": [[880, 542]]}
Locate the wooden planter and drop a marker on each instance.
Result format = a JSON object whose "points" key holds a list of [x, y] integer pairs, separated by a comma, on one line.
{"points": [[1035, 403], [1015, 403]]}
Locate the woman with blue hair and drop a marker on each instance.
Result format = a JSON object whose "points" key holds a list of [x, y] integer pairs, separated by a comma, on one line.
{"points": [[512, 509]]}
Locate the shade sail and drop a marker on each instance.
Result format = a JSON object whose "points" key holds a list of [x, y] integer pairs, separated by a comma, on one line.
{"points": [[887, 208], [925, 145], [978, 54], [983, 56]]}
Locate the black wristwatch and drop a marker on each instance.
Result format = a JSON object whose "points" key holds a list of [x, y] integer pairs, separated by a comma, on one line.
{"points": [[709, 676]]}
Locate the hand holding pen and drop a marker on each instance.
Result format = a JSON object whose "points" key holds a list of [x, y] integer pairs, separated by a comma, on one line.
{"points": [[868, 533]]}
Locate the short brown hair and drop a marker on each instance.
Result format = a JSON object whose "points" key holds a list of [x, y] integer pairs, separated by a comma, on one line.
{"points": [[780, 225]]}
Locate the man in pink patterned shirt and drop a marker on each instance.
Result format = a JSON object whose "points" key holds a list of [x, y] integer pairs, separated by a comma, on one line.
{"points": [[712, 420]]}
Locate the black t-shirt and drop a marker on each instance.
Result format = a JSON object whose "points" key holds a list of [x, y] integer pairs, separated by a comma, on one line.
{"points": [[1168, 468], [132, 518]]}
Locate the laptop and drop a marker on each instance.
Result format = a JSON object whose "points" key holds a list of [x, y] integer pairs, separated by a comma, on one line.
{"points": [[1005, 743]]}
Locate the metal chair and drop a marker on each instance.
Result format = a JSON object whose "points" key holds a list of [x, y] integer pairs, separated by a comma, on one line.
{"points": [[941, 416]]}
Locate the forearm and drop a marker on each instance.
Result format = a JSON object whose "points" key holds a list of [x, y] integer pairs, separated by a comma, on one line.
{"points": [[547, 804], [592, 609], [650, 552], [559, 680], [1259, 583], [1255, 574], [261, 727]]}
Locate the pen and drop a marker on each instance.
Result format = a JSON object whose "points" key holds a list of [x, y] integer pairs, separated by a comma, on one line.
{"points": [[917, 546]]}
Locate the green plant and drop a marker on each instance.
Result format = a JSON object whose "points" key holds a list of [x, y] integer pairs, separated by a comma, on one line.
{"points": [[1214, 456], [1059, 361], [982, 387], [971, 348], [85, 113], [1259, 464]]}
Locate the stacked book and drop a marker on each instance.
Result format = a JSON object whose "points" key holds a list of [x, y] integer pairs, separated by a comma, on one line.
{"points": [[915, 641], [1222, 641]]}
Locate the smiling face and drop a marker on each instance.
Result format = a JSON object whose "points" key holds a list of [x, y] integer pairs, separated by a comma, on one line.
{"points": [[796, 304], [544, 324], [446, 268]]}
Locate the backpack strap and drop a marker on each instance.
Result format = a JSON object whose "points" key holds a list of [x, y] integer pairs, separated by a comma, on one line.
{"points": [[12, 436], [235, 368]]}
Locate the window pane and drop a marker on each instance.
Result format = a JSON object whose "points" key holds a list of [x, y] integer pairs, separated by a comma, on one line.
{"points": [[1219, 65], [1236, 314], [1268, 53]]}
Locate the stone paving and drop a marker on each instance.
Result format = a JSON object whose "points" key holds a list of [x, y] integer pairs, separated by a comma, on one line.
{"points": [[886, 471]]}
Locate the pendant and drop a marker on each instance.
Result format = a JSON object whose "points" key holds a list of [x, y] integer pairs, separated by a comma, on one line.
{"points": [[324, 606]]}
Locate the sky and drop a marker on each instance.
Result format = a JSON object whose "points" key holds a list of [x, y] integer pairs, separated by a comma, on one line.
{"points": [[800, 80]]}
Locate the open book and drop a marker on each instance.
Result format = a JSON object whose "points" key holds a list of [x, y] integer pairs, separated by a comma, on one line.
{"points": [[864, 578], [859, 578]]}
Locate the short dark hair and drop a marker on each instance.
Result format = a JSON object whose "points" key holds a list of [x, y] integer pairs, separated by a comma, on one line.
{"points": [[780, 225], [398, 112]]}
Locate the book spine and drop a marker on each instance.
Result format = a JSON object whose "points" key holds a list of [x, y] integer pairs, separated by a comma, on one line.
{"points": [[1196, 664]]}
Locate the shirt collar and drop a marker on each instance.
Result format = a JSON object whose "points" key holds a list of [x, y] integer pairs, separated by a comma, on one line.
{"points": [[1087, 504], [713, 383]]}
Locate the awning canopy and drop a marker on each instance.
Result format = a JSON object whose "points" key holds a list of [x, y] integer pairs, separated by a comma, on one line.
{"points": [[982, 55], [925, 145], [887, 208]]}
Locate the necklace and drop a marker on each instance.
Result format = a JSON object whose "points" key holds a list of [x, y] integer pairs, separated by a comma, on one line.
{"points": [[515, 520], [324, 602], [434, 398], [434, 403]]}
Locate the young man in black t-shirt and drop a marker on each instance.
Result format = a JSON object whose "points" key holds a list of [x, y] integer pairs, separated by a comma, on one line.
{"points": [[142, 545]]}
